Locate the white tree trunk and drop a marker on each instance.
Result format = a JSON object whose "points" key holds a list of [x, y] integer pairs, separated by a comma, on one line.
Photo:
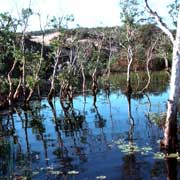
{"points": [[170, 134]]}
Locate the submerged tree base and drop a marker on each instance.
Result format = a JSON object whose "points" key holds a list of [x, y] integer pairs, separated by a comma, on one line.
{"points": [[173, 148]]}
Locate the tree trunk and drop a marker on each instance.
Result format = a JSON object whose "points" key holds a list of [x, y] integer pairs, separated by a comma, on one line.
{"points": [[37, 72], [166, 62], [17, 92], [170, 133], [130, 60], [10, 96], [170, 142], [171, 168], [84, 81], [149, 58], [23, 65], [52, 89]]}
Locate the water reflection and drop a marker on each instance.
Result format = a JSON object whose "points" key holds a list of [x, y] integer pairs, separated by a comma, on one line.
{"points": [[50, 141], [171, 166]]}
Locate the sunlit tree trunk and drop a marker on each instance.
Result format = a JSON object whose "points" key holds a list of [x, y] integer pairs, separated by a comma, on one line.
{"points": [[130, 60], [94, 74], [26, 13], [10, 96], [166, 62], [23, 69], [84, 81], [17, 92], [56, 60], [170, 132], [52, 88], [36, 79], [149, 58]]}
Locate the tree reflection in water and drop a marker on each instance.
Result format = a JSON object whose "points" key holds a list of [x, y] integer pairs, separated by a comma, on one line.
{"points": [[130, 165], [50, 141]]}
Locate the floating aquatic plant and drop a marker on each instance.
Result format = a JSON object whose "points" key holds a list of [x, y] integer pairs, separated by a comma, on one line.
{"points": [[159, 155], [73, 172], [173, 155], [101, 177], [56, 172], [128, 148]]}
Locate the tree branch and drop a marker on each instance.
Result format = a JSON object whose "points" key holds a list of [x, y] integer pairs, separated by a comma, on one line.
{"points": [[159, 20]]}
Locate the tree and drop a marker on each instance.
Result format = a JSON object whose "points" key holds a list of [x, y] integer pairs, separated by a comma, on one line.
{"points": [[8, 27], [170, 131], [94, 73], [34, 79], [25, 15], [57, 43], [129, 14]]}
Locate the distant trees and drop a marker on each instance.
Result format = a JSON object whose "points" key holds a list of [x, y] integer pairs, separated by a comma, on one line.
{"points": [[73, 56]]}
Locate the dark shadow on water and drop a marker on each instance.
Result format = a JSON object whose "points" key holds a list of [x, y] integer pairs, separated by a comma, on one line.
{"points": [[171, 168]]}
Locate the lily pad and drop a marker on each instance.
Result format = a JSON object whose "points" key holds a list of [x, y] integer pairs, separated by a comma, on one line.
{"points": [[128, 148], [147, 148], [73, 172], [101, 177], [56, 172], [159, 155], [34, 173], [172, 155]]}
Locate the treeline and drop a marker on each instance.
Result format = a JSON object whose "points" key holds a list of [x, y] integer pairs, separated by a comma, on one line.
{"points": [[72, 57]]}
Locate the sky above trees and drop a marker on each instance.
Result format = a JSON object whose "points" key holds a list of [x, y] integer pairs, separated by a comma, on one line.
{"points": [[87, 13]]}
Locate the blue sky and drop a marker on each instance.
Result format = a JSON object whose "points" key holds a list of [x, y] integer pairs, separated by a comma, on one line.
{"points": [[87, 13]]}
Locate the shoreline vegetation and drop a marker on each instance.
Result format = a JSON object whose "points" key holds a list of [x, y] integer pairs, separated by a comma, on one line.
{"points": [[117, 80], [64, 59], [138, 61], [79, 51]]}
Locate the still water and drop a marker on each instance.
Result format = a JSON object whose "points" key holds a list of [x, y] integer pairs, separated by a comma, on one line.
{"points": [[118, 138]]}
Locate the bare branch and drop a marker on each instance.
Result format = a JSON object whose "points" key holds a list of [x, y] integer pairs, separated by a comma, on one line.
{"points": [[159, 20]]}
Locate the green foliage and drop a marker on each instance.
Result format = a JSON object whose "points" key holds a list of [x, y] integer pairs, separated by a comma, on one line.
{"points": [[129, 12], [68, 77], [8, 44], [30, 81], [173, 11], [4, 87], [26, 13]]}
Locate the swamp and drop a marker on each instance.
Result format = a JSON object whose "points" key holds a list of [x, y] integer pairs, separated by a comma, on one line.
{"points": [[90, 103], [115, 138]]}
